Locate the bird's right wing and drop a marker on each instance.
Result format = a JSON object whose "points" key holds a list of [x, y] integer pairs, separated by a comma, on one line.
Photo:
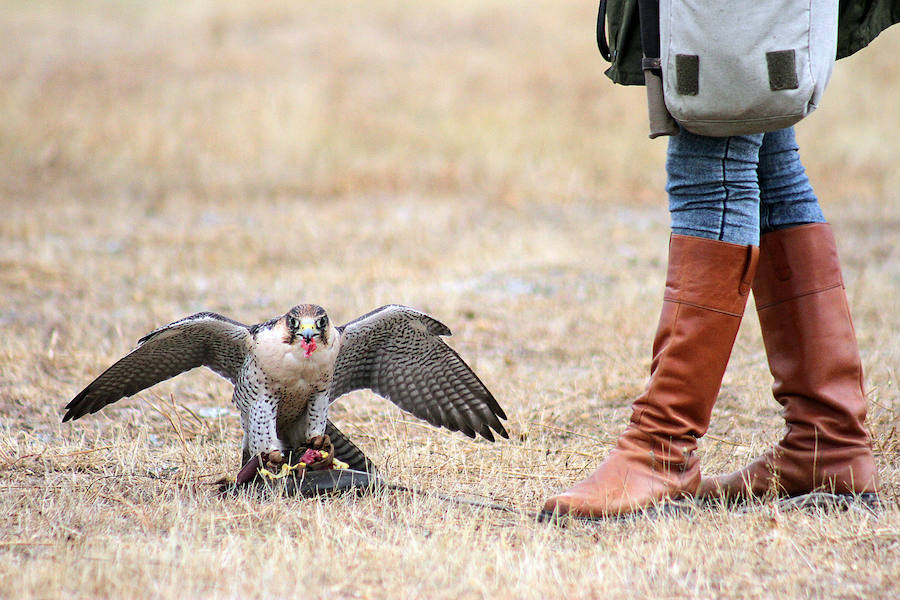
{"points": [[205, 339]]}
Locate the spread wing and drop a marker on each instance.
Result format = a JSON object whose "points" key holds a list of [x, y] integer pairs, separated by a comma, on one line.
{"points": [[204, 339], [396, 352]]}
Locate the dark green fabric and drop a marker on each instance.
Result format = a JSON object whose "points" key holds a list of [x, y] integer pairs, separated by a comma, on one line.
{"points": [[624, 33], [860, 22]]}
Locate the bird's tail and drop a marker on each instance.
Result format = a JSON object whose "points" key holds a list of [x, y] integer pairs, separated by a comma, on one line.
{"points": [[346, 451]]}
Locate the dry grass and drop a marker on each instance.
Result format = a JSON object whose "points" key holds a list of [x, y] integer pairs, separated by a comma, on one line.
{"points": [[467, 158]]}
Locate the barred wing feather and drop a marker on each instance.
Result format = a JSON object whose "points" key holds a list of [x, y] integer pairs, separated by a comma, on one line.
{"points": [[397, 352], [205, 339]]}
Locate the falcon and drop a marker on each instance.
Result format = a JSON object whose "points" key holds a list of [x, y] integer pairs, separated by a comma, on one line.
{"points": [[287, 371]]}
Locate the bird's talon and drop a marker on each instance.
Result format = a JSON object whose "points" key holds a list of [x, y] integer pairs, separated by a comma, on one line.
{"points": [[337, 464], [320, 442]]}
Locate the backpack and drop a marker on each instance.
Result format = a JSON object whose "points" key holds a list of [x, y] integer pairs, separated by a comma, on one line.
{"points": [[732, 67], [723, 67]]}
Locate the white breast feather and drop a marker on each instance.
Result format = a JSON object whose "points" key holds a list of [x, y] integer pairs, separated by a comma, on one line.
{"points": [[288, 366]]}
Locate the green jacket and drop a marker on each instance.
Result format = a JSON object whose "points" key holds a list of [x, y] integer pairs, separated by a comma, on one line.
{"points": [[859, 22]]}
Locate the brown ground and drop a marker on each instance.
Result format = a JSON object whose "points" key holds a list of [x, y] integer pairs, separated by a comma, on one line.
{"points": [[466, 158]]}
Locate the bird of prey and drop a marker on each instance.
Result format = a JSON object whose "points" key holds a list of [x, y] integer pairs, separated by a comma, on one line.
{"points": [[287, 371]]}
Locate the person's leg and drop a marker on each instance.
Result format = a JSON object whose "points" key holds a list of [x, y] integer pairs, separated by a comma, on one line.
{"points": [[713, 187], [712, 261], [810, 344], [786, 197]]}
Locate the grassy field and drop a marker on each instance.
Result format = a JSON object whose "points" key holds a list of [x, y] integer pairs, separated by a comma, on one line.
{"points": [[467, 158]]}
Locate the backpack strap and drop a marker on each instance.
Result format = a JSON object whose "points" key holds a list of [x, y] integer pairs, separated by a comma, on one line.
{"points": [[648, 14], [602, 44], [661, 122]]}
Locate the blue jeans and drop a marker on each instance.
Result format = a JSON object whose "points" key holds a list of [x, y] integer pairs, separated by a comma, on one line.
{"points": [[735, 188]]}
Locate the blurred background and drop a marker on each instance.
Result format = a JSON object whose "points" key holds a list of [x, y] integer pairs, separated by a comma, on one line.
{"points": [[320, 100]]}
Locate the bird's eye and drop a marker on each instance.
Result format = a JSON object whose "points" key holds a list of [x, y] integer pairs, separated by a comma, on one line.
{"points": [[322, 322], [293, 323]]}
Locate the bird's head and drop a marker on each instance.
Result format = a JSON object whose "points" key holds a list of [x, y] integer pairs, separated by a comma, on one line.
{"points": [[309, 326]]}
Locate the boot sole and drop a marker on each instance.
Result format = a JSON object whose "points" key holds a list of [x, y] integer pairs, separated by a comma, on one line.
{"points": [[869, 501], [668, 509], [828, 502]]}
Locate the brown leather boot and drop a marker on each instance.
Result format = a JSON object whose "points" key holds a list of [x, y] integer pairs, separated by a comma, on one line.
{"points": [[707, 286], [813, 356]]}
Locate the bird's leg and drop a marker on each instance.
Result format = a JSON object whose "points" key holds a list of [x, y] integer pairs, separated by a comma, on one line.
{"points": [[264, 440], [245, 443], [320, 453], [316, 418]]}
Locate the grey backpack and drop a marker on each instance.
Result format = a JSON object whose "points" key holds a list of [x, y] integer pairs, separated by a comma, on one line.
{"points": [[732, 67]]}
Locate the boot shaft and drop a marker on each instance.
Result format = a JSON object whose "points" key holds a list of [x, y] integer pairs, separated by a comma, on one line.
{"points": [[706, 289], [809, 338], [707, 286]]}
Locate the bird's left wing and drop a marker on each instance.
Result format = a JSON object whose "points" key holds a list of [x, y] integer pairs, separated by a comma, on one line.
{"points": [[396, 352], [204, 339]]}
